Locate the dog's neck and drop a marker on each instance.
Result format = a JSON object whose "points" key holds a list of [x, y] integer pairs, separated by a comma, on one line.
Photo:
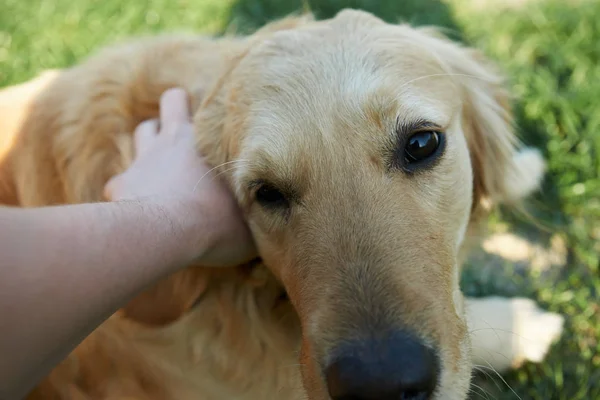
{"points": [[240, 340]]}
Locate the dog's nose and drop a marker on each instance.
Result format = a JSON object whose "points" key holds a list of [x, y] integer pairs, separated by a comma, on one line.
{"points": [[398, 367]]}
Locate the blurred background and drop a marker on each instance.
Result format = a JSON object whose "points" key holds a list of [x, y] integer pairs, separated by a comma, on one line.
{"points": [[550, 50]]}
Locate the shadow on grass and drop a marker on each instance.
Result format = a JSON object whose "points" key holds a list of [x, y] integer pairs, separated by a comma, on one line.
{"points": [[248, 15], [544, 208]]}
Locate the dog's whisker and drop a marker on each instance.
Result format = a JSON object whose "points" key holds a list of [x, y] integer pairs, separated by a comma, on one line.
{"points": [[224, 171], [443, 74], [474, 392], [483, 371], [492, 352], [502, 330], [214, 168], [487, 396], [500, 376], [490, 327]]}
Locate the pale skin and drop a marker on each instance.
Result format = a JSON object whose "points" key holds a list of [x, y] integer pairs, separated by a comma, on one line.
{"points": [[65, 269]]}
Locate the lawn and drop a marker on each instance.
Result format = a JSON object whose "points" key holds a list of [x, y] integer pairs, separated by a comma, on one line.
{"points": [[551, 51]]}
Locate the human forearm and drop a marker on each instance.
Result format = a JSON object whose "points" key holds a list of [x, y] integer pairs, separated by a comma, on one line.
{"points": [[65, 269]]}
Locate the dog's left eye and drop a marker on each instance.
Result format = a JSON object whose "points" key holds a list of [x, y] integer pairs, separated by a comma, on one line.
{"points": [[421, 146], [270, 197]]}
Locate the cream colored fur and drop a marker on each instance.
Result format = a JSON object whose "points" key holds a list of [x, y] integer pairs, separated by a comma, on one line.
{"points": [[299, 102]]}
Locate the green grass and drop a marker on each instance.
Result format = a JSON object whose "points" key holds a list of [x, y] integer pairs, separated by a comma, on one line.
{"points": [[552, 54], [551, 51]]}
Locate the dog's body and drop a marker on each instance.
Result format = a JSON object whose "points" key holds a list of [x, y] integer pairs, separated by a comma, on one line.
{"points": [[207, 334]]}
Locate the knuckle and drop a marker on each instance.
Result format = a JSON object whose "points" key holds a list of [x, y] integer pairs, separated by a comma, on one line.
{"points": [[145, 126]]}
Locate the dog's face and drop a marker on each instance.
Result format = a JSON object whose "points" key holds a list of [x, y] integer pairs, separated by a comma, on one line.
{"points": [[358, 159]]}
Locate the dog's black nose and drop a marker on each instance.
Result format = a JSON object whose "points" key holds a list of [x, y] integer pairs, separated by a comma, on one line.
{"points": [[397, 367]]}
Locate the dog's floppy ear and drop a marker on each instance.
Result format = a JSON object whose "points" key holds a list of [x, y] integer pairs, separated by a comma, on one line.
{"points": [[220, 118], [504, 171], [169, 299]]}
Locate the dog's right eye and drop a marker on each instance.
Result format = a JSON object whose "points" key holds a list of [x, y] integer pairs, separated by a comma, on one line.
{"points": [[271, 197], [422, 145]]}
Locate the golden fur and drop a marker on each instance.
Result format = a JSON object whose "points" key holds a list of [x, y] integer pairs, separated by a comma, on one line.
{"points": [[305, 105]]}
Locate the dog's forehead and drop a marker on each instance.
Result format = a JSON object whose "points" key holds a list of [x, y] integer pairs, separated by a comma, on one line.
{"points": [[342, 94], [311, 75]]}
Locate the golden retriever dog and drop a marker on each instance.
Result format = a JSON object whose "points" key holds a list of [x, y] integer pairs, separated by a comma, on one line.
{"points": [[363, 154]]}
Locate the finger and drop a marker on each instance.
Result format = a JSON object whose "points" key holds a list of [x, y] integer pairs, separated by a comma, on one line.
{"points": [[144, 135], [174, 108], [108, 188]]}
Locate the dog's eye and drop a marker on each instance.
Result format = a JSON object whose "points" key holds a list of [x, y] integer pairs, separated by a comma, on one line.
{"points": [[268, 196], [421, 145]]}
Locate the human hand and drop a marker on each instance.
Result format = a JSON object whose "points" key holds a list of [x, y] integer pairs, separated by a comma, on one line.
{"points": [[167, 170]]}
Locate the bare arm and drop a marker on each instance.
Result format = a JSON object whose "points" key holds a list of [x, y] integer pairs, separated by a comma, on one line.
{"points": [[65, 269]]}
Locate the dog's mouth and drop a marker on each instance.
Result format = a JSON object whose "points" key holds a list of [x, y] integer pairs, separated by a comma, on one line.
{"points": [[247, 271], [393, 365], [282, 298]]}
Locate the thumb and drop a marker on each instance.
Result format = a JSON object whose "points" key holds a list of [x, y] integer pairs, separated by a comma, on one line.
{"points": [[109, 188]]}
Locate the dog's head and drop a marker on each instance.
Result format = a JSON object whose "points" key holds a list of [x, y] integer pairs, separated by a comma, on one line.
{"points": [[360, 152]]}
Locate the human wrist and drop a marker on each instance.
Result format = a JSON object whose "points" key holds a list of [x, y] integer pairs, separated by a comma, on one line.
{"points": [[170, 218], [190, 226]]}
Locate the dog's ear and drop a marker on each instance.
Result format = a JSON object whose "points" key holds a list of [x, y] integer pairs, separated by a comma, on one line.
{"points": [[169, 299], [504, 171], [350, 18], [220, 118], [289, 22]]}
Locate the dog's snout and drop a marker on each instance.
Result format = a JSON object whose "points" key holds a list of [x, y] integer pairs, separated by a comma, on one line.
{"points": [[398, 367]]}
